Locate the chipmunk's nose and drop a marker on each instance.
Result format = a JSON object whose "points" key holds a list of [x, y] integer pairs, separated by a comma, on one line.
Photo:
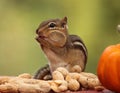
{"points": [[37, 31]]}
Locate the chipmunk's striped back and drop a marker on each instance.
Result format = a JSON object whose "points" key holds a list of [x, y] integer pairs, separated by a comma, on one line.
{"points": [[79, 44]]}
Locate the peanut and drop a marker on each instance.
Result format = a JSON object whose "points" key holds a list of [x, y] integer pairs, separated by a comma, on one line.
{"points": [[73, 85], [57, 75]]}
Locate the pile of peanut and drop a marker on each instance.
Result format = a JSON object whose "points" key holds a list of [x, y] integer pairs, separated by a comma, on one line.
{"points": [[64, 80]]}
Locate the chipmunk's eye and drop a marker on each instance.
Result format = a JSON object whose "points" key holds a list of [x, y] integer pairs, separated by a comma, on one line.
{"points": [[52, 25]]}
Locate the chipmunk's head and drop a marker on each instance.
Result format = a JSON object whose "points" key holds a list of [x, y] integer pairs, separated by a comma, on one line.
{"points": [[53, 32]]}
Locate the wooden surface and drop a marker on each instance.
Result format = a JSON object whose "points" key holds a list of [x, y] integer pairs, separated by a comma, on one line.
{"points": [[88, 91]]}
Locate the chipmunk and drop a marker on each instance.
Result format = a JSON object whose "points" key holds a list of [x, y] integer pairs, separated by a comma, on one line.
{"points": [[60, 48]]}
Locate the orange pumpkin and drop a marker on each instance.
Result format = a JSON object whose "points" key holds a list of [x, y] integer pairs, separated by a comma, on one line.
{"points": [[109, 68]]}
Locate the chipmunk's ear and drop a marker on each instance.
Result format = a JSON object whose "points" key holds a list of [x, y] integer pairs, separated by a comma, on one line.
{"points": [[64, 19]]}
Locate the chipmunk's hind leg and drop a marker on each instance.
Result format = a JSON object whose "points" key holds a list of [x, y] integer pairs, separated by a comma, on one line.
{"points": [[43, 73]]}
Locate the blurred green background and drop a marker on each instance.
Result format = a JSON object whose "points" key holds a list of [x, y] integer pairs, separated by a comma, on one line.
{"points": [[94, 21]]}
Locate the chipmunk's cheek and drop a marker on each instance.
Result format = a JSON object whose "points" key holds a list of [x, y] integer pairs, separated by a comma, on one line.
{"points": [[57, 38]]}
